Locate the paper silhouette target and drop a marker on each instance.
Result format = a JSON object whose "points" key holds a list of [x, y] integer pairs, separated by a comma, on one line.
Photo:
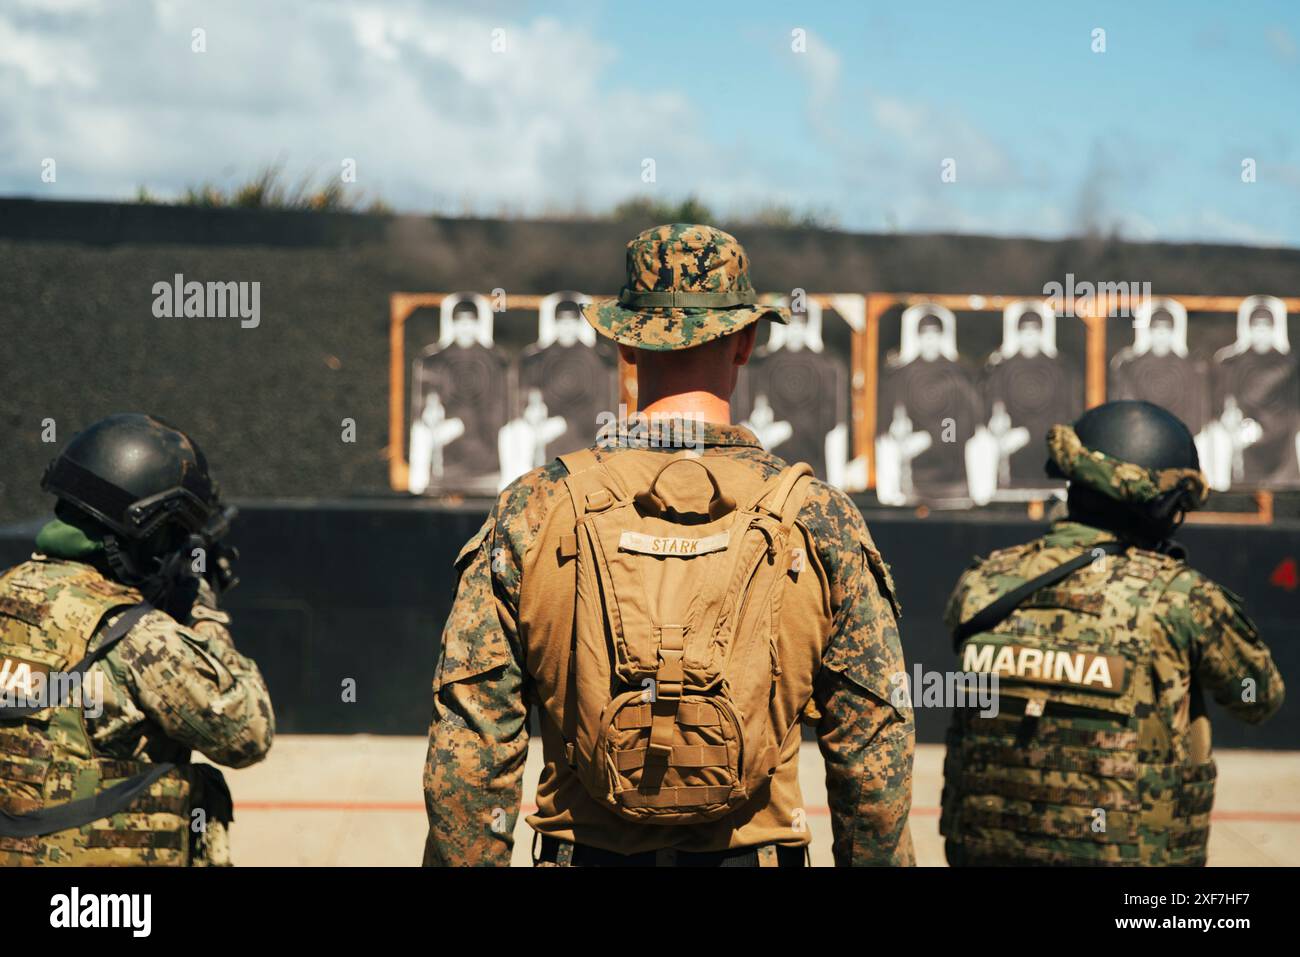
{"points": [[459, 402], [1029, 387], [932, 444], [565, 383], [794, 392]]}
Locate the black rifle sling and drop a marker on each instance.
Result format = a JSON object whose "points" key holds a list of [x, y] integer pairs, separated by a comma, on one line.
{"points": [[106, 803], [996, 611]]}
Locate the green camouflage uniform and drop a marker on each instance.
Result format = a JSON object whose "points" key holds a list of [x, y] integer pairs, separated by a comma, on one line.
{"points": [[1109, 766], [479, 734], [167, 688]]}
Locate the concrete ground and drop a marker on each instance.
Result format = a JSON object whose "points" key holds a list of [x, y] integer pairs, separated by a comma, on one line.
{"points": [[356, 800]]}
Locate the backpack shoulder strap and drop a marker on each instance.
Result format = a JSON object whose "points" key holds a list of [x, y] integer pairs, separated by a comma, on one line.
{"points": [[591, 485], [777, 498], [579, 461]]}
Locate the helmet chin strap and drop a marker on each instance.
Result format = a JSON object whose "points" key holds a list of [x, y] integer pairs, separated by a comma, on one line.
{"points": [[124, 566]]}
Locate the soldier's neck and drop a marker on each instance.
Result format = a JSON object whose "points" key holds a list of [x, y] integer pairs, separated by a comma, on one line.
{"points": [[700, 405]]}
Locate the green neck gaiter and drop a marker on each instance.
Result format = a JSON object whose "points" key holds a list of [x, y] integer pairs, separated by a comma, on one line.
{"points": [[58, 539]]}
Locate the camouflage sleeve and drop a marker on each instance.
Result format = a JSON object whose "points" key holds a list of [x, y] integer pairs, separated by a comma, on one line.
{"points": [[191, 682], [1228, 657], [865, 737], [478, 738]]}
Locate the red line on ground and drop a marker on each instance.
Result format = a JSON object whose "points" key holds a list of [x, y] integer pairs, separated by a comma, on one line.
{"points": [[1278, 817]]}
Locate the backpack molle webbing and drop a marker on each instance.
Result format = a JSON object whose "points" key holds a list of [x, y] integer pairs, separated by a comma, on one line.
{"points": [[670, 615]]}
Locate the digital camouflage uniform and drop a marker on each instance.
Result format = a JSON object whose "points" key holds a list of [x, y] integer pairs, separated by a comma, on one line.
{"points": [[1099, 754], [489, 675], [167, 689]]}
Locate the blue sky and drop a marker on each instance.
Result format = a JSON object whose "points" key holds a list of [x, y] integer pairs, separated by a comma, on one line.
{"points": [[1049, 138]]}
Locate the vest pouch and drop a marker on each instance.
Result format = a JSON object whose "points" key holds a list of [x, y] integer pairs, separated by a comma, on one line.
{"points": [[1059, 763], [698, 780], [22, 778], [1190, 831]]}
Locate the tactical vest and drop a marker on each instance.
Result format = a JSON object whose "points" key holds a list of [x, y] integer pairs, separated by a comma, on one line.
{"points": [[1087, 761], [49, 612], [667, 707]]}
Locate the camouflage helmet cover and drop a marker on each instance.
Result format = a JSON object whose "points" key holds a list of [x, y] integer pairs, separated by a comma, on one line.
{"points": [[686, 285], [1125, 482]]}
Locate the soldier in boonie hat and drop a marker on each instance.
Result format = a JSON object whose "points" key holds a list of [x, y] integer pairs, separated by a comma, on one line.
{"points": [[682, 514], [686, 285]]}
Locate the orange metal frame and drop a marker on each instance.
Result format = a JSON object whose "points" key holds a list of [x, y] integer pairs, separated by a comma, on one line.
{"points": [[400, 307]]}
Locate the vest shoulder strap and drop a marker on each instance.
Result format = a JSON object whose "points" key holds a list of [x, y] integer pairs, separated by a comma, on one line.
{"points": [[998, 610], [111, 636], [78, 813]]}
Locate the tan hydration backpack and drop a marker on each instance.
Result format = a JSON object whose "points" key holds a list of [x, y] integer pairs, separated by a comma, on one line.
{"points": [[676, 631]]}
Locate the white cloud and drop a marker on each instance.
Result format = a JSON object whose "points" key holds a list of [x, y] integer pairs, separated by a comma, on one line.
{"points": [[436, 121], [42, 61], [434, 118]]}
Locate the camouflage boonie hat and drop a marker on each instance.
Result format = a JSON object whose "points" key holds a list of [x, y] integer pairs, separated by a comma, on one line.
{"points": [[686, 285], [1117, 479]]}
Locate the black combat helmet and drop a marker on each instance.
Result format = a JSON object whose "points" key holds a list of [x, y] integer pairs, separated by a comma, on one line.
{"points": [[135, 475], [1137, 432], [1155, 440]]}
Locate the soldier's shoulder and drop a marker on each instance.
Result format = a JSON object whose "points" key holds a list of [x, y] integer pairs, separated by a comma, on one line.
{"points": [[840, 535], [1152, 565], [157, 624], [518, 495], [830, 516], [1192, 600], [828, 507], [1187, 585], [36, 570], [67, 580], [524, 504], [1003, 560]]}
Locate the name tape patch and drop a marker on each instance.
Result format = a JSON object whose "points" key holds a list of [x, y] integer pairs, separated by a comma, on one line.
{"points": [[1086, 670], [21, 679], [687, 547]]}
